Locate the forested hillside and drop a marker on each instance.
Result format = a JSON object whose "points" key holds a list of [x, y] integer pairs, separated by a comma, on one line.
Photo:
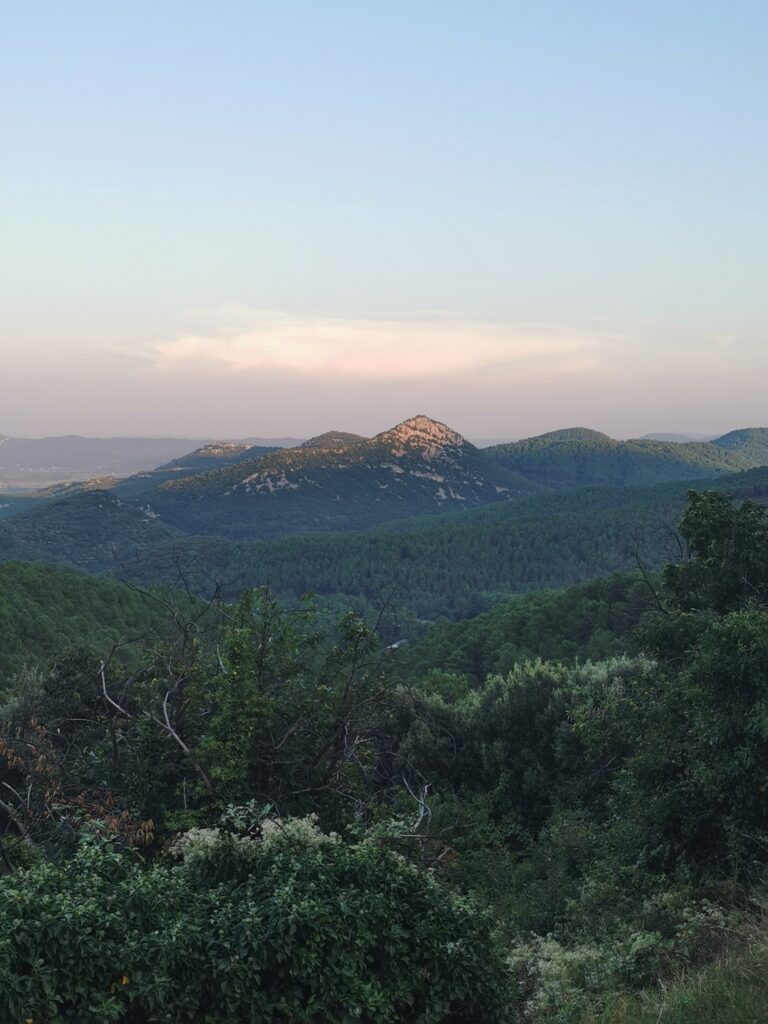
{"points": [[92, 530], [579, 457], [457, 565], [339, 482], [454, 565], [46, 611], [546, 844], [593, 621]]}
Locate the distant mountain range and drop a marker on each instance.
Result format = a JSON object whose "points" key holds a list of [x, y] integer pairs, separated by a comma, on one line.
{"points": [[457, 527], [420, 467], [579, 457], [35, 462], [30, 462], [340, 481], [678, 438]]}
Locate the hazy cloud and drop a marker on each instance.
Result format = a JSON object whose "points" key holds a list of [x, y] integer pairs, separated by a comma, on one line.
{"points": [[394, 349]]}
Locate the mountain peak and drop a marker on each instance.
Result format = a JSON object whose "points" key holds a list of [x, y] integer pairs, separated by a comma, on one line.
{"points": [[574, 434], [334, 439], [422, 432], [221, 449]]}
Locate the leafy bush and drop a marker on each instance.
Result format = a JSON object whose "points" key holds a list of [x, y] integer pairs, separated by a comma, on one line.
{"points": [[295, 925]]}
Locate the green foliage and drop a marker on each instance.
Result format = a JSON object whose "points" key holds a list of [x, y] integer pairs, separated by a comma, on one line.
{"points": [[93, 530], [291, 715], [45, 611], [591, 621], [734, 989], [510, 740], [687, 744], [597, 824], [729, 548], [292, 926], [270, 706]]}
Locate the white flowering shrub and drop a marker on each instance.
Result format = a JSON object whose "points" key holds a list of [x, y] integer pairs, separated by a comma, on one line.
{"points": [[295, 926]]}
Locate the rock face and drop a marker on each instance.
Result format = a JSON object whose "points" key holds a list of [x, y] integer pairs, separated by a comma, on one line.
{"points": [[220, 450], [340, 481], [423, 433]]}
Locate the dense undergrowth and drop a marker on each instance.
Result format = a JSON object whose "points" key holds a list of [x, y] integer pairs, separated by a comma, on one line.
{"points": [[733, 988]]}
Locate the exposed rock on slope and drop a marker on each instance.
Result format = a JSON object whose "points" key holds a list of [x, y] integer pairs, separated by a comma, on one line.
{"points": [[416, 468]]}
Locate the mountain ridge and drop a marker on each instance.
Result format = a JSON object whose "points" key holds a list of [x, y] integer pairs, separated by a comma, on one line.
{"points": [[416, 467], [579, 456]]}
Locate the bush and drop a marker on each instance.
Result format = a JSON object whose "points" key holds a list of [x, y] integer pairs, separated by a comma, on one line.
{"points": [[293, 925]]}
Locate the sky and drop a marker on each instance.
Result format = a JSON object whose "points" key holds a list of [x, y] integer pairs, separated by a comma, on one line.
{"points": [[239, 218]]}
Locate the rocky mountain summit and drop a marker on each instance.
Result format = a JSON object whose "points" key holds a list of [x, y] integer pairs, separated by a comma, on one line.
{"points": [[341, 481], [423, 433]]}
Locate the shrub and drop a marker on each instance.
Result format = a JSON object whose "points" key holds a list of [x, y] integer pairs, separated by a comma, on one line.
{"points": [[297, 926]]}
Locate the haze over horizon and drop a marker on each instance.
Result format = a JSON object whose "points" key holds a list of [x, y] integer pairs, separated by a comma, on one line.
{"points": [[288, 219], [693, 435]]}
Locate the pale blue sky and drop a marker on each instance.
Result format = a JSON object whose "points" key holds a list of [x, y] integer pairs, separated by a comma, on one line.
{"points": [[237, 218]]}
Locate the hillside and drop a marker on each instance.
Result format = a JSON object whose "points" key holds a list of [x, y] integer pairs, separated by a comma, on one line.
{"points": [[579, 457], [454, 565], [579, 830], [420, 467], [209, 457], [92, 530], [458, 564], [338, 482], [592, 621], [750, 444], [45, 611]]}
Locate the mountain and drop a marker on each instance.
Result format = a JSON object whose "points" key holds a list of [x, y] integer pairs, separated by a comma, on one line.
{"points": [[333, 439], [339, 482], [579, 457], [212, 456], [750, 443], [35, 462]]}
